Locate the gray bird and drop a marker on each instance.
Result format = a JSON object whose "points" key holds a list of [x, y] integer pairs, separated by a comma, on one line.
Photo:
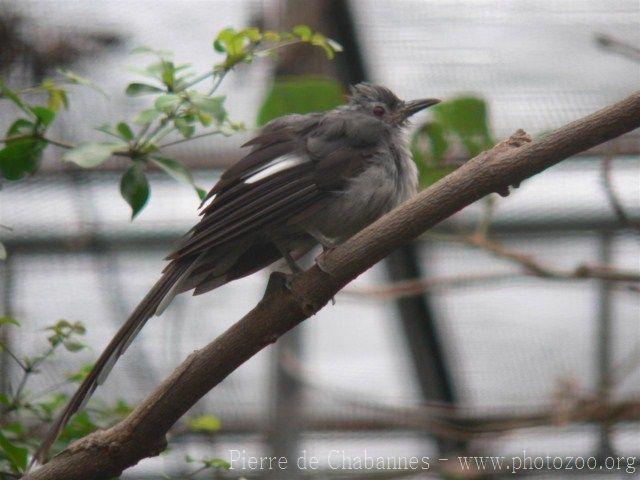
{"points": [[308, 180]]}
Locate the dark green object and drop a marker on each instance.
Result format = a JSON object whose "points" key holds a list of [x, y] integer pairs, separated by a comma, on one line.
{"points": [[463, 121], [21, 157], [300, 95], [134, 188]]}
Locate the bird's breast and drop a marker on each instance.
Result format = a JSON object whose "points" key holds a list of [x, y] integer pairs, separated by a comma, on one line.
{"points": [[381, 186]]}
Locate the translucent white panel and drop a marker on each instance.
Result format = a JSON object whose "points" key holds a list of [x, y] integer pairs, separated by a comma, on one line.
{"points": [[537, 63]]}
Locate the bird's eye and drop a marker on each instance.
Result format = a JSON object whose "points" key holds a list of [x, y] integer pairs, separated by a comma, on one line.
{"points": [[378, 111]]}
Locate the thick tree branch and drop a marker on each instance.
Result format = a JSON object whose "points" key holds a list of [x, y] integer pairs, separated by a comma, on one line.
{"points": [[105, 454]]}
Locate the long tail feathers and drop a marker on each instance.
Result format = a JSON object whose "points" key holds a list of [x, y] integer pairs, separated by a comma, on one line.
{"points": [[112, 352]]}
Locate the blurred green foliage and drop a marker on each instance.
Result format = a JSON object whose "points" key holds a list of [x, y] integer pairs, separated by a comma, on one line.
{"points": [[300, 94], [177, 108], [457, 125], [25, 414]]}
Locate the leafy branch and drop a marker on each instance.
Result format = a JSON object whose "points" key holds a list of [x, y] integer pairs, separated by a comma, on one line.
{"points": [[24, 414], [184, 103]]}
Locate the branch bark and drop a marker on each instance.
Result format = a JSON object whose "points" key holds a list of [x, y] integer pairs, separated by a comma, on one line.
{"points": [[107, 453]]}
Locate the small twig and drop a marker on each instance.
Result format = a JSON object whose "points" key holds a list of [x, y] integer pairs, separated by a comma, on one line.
{"points": [[531, 268], [612, 196], [59, 143], [216, 83], [538, 269], [196, 472], [15, 399], [4, 347], [199, 79], [48, 390], [182, 140], [408, 288], [615, 45]]}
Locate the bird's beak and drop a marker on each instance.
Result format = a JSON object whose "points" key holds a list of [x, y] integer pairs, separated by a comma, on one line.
{"points": [[414, 106]]}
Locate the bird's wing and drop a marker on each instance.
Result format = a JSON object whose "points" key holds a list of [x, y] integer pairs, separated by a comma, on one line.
{"points": [[286, 172]]}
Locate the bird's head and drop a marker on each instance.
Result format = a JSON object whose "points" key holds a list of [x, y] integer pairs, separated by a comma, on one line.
{"points": [[382, 103]]}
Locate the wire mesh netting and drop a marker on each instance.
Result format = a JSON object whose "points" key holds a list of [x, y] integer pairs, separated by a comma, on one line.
{"points": [[516, 345]]}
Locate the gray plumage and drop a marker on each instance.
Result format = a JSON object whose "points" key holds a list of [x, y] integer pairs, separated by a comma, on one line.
{"points": [[308, 179]]}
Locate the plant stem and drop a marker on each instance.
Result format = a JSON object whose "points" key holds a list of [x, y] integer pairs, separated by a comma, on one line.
{"points": [[195, 472], [197, 80], [3, 346], [23, 382], [217, 81], [58, 143], [182, 140]]}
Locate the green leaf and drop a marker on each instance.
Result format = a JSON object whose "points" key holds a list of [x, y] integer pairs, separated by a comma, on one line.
{"points": [[462, 121], [79, 426], [121, 408], [466, 118], [57, 95], [201, 192], [72, 77], [429, 143], [175, 169], [251, 33], [45, 115], [301, 94], [134, 188], [74, 346], [3, 252], [167, 102], [428, 147], [218, 46], [21, 157], [90, 154], [17, 456], [184, 128], [6, 320], [271, 36], [144, 50], [212, 105], [224, 39], [80, 374], [302, 31], [137, 88], [167, 75], [320, 40], [217, 463], [205, 119], [147, 116], [125, 131], [204, 423], [21, 127]]}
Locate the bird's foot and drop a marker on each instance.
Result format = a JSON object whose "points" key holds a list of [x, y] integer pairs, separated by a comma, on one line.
{"points": [[327, 246]]}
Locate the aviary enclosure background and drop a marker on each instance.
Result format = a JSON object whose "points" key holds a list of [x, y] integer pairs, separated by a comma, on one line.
{"points": [[516, 359]]}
